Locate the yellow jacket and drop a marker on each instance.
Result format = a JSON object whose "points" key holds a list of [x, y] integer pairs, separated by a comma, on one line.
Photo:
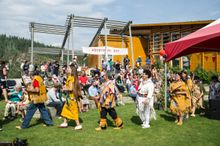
{"points": [[41, 96]]}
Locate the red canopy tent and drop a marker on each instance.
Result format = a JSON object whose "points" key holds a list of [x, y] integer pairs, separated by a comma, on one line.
{"points": [[202, 40]]}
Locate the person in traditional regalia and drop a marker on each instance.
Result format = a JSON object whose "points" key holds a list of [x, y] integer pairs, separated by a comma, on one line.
{"points": [[189, 85], [37, 95], [72, 89], [145, 99], [107, 103], [197, 97], [178, 103]]}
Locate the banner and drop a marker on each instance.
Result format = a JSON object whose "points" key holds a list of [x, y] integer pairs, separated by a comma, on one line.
{"points": [[101, 50]]}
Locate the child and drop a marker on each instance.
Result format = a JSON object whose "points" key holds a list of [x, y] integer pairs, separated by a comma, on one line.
{"points": [[15, 96], [22, 106]]}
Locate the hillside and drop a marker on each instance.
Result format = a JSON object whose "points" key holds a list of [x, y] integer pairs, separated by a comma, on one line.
{"points": [[14, 50]]}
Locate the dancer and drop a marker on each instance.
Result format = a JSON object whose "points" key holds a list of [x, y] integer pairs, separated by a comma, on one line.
{"points": [[189, 86], [145, 99], [197, 97], [178, 103], [37, 93], [107, 103], [72, 88]]}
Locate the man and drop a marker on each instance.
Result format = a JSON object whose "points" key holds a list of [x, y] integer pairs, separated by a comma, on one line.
{"points": [[107, 103], [38, 96], [3, 84], [104, 65], [3, 80], [26, 67], [54, 100], [138, 61], [126, 62], [49, 83], [75, 59], [145, 99], [117, 67], [94, 94], [56, 68], [110, 65], [83, 80], [132, 92], [140, 70]]}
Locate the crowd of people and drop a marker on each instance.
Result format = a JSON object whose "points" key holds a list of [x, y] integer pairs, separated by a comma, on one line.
{"points": [[60, 87]]}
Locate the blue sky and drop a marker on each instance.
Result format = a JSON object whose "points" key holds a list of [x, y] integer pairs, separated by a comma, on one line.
{"points": [[15, 15]]}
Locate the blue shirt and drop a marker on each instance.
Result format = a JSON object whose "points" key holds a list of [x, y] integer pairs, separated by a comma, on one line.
{"points": [[132, 90], [93, 91], [16, 97]]}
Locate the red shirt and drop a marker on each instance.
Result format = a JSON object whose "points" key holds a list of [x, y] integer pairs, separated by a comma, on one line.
{"points": [[136, 83], [83, 79], [36, 84]]}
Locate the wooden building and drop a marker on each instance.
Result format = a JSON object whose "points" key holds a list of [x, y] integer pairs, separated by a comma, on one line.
{"points": [[148, 39]]}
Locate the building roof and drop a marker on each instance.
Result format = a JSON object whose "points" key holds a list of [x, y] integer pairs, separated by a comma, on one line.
{"points": [[171, 24]]}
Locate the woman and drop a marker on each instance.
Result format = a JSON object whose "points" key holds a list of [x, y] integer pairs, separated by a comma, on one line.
{"points": [[154, 74], [178, 103], [189, 85], [145, 99], [72, 88], [197, 96]]}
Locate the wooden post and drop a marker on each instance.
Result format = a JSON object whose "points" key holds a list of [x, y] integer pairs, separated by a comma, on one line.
{"points": [[202, 60], [218, 60], [181, 63]]}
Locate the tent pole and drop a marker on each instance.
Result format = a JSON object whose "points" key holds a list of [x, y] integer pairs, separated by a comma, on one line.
{"points": [[165, 87]]}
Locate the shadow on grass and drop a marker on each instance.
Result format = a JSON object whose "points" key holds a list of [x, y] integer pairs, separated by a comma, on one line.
{"points": [[73, 123], [167, 117], [110, 123], [136, 120], [38, 121], [7, 121]]}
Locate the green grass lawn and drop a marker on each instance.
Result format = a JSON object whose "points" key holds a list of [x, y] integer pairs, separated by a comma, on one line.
{"points": [[196, 131]]}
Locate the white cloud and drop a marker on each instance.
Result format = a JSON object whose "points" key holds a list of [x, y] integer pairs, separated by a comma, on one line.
{"points": [[15, 16]]}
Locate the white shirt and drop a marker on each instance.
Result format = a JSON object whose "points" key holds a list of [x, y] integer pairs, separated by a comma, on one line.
{"points": [[140, 71], [52, 96], [147, 87]]}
